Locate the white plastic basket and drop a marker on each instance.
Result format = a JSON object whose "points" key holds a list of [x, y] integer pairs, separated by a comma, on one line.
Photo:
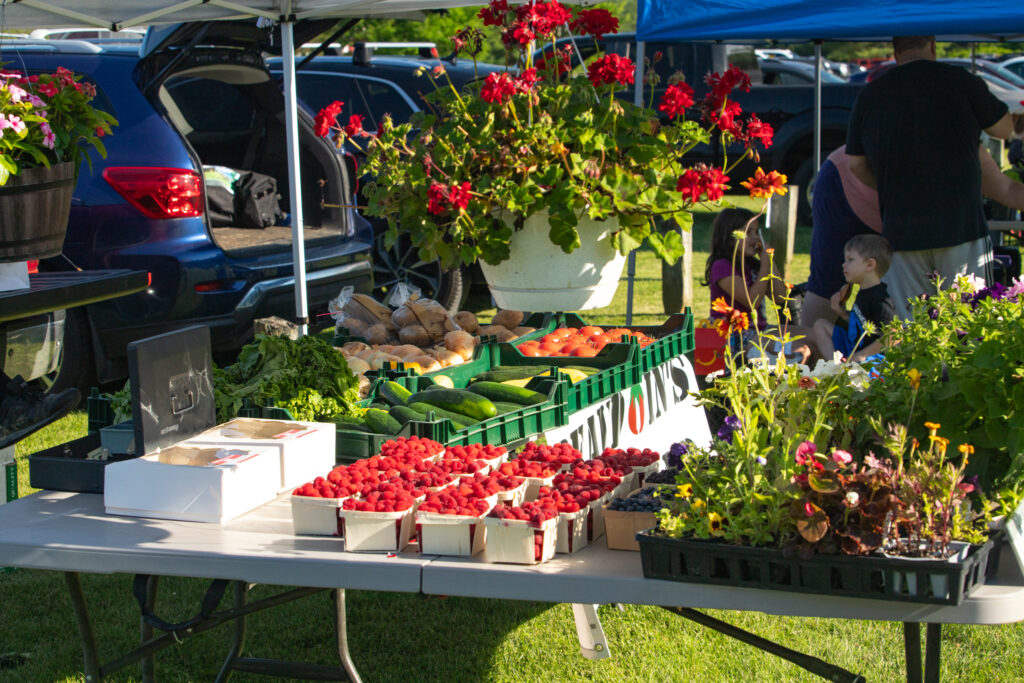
{"points": [[316, 516], [514, 541], [366, 531]]}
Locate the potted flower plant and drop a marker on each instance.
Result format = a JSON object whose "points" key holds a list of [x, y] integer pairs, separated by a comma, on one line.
{"points": [[47, 126], [542, 173]]}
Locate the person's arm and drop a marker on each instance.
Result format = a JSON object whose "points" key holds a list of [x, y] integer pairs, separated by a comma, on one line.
{"points": [[837, 303], [862, 169], [869, 350], [1003, 128], [997, 185]]}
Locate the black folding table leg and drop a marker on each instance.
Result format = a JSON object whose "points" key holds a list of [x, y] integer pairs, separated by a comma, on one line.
{"points": [[912, 650], [932, 652], [90, 661], [146, 630], [241, 590]]}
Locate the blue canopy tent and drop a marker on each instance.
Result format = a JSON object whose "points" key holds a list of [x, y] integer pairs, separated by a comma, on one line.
{"points": [[797, 20]]}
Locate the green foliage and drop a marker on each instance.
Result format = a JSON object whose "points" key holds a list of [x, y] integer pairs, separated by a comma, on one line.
{"points": [[309, 376], [52, 121]]}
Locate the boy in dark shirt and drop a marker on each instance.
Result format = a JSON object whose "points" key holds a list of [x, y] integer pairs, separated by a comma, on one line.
{"points": [[867, 258]]}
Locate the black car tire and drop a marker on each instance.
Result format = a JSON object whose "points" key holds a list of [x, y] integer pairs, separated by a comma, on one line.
{"points": [[804, 180], [75, 367], [402, 264]]}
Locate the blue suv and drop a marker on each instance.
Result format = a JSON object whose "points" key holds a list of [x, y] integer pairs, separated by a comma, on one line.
{"points": [[194, 96]]}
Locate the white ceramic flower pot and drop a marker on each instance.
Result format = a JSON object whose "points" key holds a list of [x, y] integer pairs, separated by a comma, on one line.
{"points": [[539, 276]]}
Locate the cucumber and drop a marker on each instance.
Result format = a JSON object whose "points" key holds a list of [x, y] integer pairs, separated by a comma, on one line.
{"points": [[380, 406], [381, 423], [394, 393], [509, 372], [353, 427], [347, 420], [504, 407], [507, 393], [404, 414], [458, 421], [467, 403]]}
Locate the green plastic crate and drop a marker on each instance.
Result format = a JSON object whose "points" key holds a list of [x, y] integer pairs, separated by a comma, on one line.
{"points": [[673, 338], [100, 411], [618, 364]]}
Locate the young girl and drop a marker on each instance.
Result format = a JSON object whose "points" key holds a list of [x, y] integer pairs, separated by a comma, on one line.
{"points": [[745, 283]]}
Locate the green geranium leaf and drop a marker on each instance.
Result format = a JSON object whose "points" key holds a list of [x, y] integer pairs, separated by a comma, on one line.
{"points": [[668, 247], [625, 242], [563, 231]]}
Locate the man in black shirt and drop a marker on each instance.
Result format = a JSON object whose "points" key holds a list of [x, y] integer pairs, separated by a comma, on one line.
{"points": [[914, 134]]}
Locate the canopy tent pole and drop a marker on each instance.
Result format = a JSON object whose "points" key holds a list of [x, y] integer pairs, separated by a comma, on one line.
{"points": [[294, 175], [638, 100], [817, 106]]}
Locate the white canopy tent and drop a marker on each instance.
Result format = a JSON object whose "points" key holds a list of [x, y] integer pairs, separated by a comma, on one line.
{"points": [[117, 14]]}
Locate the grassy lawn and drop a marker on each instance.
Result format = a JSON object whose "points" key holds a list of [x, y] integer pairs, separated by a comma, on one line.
{"points": [[402, 637]]}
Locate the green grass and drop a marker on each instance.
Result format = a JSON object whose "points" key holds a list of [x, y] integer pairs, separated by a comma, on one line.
{"points": [[401, 637]]}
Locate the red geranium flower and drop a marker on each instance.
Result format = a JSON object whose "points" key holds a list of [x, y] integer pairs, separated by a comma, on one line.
{"points": [[437, 199], [759, 130], [525, 81], [355, 126], [676, 100], [494, 13], [715, 182], [458, 195], [497, 87], [326, 118], [611, 69], [546, 17], [595, 22], [691, 183], [560, 61]]}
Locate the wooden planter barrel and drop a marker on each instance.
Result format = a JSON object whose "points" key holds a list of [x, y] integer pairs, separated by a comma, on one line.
{"points": [[34, 208]]}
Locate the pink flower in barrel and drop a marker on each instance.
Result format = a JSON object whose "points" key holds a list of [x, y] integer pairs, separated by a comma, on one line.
{"points": [[48, 119]]}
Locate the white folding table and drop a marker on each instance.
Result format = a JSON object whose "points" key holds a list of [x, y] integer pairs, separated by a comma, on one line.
{"points": [[70, 533]]}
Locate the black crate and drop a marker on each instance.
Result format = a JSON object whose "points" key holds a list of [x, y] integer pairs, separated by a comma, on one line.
{"points": [[937, 582], [67, 468]]}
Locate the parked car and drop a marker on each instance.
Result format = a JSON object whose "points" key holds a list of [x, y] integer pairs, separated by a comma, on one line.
{"points": [[789, 72], [194, 96], [372, 84], [1014, 65]]}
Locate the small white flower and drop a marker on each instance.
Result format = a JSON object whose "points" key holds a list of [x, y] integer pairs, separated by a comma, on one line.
{"points": [[712, 376], [852, 498]]}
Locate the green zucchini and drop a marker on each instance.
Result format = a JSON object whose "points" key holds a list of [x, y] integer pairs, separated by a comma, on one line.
{"points": [[467, 403], [381, 423], [506, 407], [405, 414], [394, 393], [506, 372], [458, 421], [506, 393]]}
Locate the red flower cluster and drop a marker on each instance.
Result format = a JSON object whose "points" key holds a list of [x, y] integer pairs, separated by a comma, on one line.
{"points": [[525, 81], [723, 84], [354, 128], [326, 118], [676, 100], [595, 22], [560, 61], [759, 130], [611, 69], [497, 87], [442, 198], [701, 180]]}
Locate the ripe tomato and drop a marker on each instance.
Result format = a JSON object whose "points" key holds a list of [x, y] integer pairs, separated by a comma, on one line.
{"points": [[568, 347], [584, 351], [549, 347], [531, 350], [590, 330]]}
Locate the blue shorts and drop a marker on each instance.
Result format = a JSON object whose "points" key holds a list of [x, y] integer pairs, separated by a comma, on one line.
{"points": [[834, 224]]}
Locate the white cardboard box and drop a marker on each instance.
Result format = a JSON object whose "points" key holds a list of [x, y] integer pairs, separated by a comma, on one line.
{"points": [[306, 449], [193, 483]]}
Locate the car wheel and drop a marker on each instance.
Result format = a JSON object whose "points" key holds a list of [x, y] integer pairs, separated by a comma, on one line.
{"points": [[75, 366], [402, 263], [804, 180]]}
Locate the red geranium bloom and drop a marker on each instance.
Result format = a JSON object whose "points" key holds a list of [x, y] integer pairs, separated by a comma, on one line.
{"points": [[759, 130], [458, 195], [494, 13], [595, 22], [326, 118], [725, 118], [560, 61], [355, 126], [546, 17], [497, 87], [611, 69], [715, 182], [48, 89], [437, 199], [691, 183], [676, 100], [525, 81]]}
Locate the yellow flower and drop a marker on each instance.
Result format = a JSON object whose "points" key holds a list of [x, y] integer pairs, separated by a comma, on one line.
{"points": [[715, 523], [684, 490], [966, 449], [697, 504], [941, 442], [914, 375], [932, 427]]}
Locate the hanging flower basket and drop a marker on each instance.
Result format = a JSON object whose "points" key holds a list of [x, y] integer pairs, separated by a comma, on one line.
{"points": [[34, 208], [539, 276]]}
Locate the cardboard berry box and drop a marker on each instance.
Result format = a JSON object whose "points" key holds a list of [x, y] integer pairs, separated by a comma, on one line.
{"points": [[376, 531], [515, 541], [443, 534], [317, 516], [572, 531]]}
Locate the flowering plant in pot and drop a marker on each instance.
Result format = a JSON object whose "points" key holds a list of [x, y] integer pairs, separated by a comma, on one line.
{"points": [[544, 154], [46, 119]]}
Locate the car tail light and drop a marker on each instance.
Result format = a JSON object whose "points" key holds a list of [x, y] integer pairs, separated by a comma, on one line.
{"points": [[159, 192], [218, 286]]}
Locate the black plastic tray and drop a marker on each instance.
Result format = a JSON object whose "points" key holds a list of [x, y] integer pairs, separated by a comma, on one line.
{"points": [[66, 467], [937, 582]]}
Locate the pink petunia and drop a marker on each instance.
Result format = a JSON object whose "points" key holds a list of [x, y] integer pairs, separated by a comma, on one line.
{"points": [[49, 139]]}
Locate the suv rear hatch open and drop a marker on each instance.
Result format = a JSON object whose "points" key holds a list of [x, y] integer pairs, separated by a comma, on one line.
{"points": [[210, 81]]}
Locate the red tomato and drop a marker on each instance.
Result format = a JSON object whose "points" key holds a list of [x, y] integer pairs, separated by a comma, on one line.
{"points": [[599, 339], [552, 337], [549, 347], [532, 351], [570, 330], [584, 351], [590, 330], [568, 347]]}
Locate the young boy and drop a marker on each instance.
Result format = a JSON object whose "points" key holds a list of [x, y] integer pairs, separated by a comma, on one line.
{"points": [[867, 258]]}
